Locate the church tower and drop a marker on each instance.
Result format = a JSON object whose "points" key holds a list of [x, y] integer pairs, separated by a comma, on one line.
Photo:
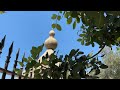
{"points": [[50, 44]]}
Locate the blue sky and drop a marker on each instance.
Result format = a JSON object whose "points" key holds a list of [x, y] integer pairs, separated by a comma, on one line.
{"points": [[31, 28]]}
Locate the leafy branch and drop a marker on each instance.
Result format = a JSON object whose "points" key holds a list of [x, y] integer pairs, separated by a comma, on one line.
{"points": [[71, 66], [96, 53]]}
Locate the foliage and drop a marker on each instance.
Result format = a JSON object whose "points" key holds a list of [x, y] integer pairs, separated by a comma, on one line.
{"points": [[112, 59], [1, 12], [74, 65], [101, 27]]}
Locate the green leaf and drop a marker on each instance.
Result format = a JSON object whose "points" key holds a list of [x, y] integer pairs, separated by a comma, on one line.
{"points": [[77, 67], [16, 70], [54, 16], [93, 61], [82, 73], [21, 64], [25, 60], [40, 48], [74, 14], [103, 66], [36, 51], [97, 71], [33, 62], [66, 57], [82, 42], [99, 62], [58, 27], [69, 20], [72, 52], [81, 35], [84, 19], [37, 71], [83, 57], [79, 39], [74, 25], [52, 56], [99, 19], [30, 65], [60, 11], [30, 59], [38, 76], [61, 56], [45, 62], [78, 20], [58, 17], [66, 15], [87, 44], [80, 52], [90, 54], [37, 65]]}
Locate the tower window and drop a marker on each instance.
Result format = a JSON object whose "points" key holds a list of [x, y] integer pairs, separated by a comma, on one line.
{"points": [[30, 74]]}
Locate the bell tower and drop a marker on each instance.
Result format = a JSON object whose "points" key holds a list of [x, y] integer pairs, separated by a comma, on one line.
{"points": [[50, 44]]}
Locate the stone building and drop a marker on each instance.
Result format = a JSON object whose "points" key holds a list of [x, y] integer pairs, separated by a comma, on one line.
{"points": [[50, 44]]}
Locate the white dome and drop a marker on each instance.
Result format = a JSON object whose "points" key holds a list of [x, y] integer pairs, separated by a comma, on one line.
{"points": [[51, 42]]}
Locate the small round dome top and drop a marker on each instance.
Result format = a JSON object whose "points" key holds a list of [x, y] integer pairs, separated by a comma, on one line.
{"points": [[51, 42], [52, 33]]}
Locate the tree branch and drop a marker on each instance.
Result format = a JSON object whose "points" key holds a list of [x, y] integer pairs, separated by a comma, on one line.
{"points": [[97, 53]]}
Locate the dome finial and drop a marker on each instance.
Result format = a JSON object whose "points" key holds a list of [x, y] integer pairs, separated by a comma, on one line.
{"points": [[51, 42], [52, 33]]}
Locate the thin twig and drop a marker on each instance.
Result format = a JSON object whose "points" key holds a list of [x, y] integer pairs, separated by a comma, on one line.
{"points": [[57, 17], [97, 53]]}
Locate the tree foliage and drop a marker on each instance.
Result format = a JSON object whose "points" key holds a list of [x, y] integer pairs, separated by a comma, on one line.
{"points": [[74, 65], [112, 59], [1, 12], [101, 27]]}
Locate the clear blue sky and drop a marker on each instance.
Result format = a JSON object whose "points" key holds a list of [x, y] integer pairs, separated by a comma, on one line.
{"points": [[31, 28]]}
